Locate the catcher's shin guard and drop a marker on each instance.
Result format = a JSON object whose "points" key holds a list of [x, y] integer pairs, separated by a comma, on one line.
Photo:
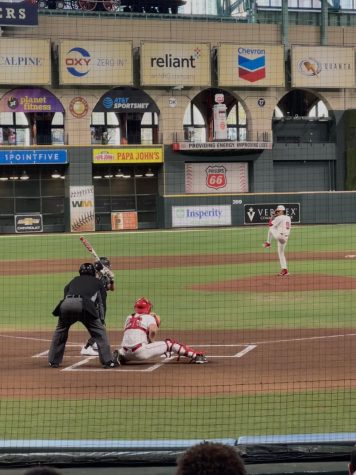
{"points": [[179, 349]]}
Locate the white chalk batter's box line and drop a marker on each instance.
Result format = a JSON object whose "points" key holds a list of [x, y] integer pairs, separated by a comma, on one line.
{"points": [[130, 368], [247, 347]]}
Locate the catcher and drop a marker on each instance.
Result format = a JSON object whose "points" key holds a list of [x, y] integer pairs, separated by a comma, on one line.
{"points": [[104, 273], [140, 331]]}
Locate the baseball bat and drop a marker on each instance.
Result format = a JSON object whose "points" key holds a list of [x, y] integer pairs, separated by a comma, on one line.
{"points": [[89, 247]]}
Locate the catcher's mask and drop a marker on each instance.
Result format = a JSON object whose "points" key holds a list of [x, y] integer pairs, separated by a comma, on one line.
{"points": [[142, 305], [87, 269]]}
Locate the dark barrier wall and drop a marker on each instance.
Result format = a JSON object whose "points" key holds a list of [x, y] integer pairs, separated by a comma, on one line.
{"points": [[315, 208]]}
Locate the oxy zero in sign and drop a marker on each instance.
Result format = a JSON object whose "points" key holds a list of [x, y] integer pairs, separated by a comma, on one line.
{"points": [[216, 177]]}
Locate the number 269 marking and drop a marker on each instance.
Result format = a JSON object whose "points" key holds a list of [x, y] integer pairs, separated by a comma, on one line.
{"points": [[237, 202]]}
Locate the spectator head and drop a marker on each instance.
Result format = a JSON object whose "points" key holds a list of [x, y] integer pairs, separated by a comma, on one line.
{"points": [[210, 458], [41, 471]]}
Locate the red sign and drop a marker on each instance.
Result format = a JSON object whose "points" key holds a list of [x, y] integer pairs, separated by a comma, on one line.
{"points": [[216, 177]]}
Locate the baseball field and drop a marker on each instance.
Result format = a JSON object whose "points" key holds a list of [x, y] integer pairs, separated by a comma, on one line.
{"points": [[280, 349]]}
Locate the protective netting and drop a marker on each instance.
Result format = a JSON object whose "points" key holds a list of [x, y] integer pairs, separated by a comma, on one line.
{"points": [[185, 155]]}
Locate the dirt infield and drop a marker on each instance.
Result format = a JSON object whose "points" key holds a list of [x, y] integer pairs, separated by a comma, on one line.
{"points": [[240, 362], [245, 362]]}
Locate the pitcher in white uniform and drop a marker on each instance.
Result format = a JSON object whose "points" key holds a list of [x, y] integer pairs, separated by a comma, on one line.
{"points": [[140, 331], [279, 229]]}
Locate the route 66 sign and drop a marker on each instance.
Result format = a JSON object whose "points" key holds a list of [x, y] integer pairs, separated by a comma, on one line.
{"points": [[216, 177]]}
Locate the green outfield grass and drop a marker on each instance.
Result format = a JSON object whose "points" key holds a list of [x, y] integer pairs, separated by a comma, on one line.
{"points": [[28, 300]]}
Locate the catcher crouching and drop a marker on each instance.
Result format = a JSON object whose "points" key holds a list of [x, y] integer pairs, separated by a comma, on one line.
{"points": [[139, 339]]}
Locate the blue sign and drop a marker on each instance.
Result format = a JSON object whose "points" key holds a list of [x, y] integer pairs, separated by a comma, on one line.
{"points": [[19, 13], [33, 157]]}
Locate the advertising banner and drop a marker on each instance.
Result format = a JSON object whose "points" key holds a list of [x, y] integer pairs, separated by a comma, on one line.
{"points": [[82, 212], [30, 100], [175, 64], [122, 220], [27, 60], [28, 223], [323, 66], [19, 13], [185, 216], [122, 100], [216, 177], [95, 62], [232, 145], [33, 157], [129, 155], [260, 213], [251, 65]]}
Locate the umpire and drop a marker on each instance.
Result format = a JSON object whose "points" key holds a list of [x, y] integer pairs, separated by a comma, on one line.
{"points": [[82, 302]]}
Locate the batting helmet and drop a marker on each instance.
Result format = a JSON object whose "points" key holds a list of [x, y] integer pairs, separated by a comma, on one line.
{"points": [[87, 269], [280, 208], [105, 261], [142, 305]]}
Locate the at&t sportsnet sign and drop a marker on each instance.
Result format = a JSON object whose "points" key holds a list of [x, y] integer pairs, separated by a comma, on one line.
{"points": [[260, 213]]}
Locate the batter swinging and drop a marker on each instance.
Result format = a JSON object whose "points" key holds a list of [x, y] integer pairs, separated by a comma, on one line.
{"points": [[279, 228], [140, 331]]}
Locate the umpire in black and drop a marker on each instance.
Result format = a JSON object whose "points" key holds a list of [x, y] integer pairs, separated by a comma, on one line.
{"points": [[83, 302]]}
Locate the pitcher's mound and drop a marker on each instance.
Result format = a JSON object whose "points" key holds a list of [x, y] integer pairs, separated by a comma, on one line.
{"points": [[274, 283]]}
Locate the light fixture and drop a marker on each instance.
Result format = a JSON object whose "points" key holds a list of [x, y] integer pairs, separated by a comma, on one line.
{"points": [[3, 177], [126, 175], [138, 175], [24, 176], [56, 174], [108, 176], [149, 173], [13, 177], [97, 177], [119, 174]]}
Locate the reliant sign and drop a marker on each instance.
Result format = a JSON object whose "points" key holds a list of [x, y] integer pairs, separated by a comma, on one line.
{"points": [[175, 64]]}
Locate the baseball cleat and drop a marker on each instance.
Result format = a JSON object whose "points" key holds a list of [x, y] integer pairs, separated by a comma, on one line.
{"points": [[90, 351], [117, 357], [111, 364], [53, 365], [283, 273], [266, 244], [200, 359]]}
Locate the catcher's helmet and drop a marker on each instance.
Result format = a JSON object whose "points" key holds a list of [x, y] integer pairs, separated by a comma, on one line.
{"points": [[142, 305], [87, 269], [280, 208]]}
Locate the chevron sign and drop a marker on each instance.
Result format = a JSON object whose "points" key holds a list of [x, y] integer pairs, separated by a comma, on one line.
{"points": [[251, 64]]}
